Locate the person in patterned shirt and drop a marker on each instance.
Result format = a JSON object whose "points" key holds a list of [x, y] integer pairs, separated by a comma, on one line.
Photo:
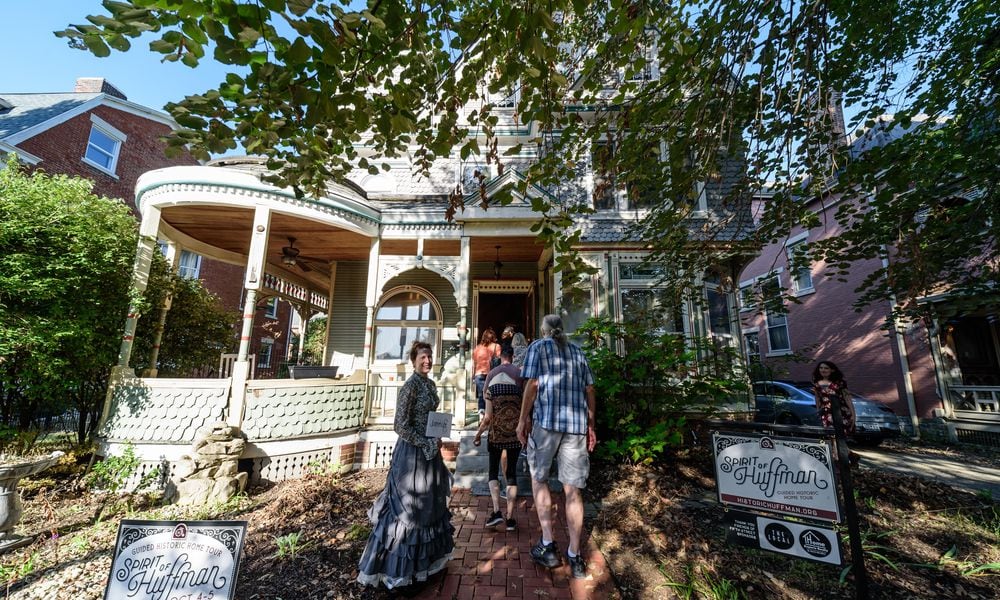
{"points": [[557, 419]]}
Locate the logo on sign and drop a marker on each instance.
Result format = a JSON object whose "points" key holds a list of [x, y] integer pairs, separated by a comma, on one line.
{"points": [[815, 543], [779, 536]]}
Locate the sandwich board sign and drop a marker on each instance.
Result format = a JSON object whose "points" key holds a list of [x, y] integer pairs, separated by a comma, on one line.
{"points": [[804, 540], [787, 476], [176, 560]]}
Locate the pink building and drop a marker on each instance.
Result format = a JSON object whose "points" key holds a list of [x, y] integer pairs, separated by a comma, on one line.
{"points": [[944, 372]]}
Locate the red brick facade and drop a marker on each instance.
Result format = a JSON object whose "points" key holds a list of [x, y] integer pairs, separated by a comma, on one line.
{"points": [[62, 147], [824, 326]]}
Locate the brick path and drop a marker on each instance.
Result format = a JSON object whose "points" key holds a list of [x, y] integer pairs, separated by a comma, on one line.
{"points": [[496, 564]]}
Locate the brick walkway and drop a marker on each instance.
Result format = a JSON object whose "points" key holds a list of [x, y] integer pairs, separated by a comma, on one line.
{"points": [[496, 564]]}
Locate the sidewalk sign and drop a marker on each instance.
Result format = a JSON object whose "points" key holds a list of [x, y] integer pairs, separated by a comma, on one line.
{"points": [[788, 476], [189, 560]]}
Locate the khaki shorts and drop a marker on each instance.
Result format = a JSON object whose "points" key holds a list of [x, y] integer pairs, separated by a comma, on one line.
{"points": [[571, 449]]}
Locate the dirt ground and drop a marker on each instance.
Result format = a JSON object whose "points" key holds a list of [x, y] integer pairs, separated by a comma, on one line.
{"points": [[659, 527]]}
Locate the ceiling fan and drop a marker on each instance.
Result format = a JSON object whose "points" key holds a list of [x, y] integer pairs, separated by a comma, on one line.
{"points": [[292, 257]]}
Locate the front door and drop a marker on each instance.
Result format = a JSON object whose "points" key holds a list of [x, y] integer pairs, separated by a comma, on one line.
{"points": [[497, 304]]}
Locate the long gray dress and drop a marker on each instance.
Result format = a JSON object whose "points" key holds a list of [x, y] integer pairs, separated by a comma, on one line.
{"points": [[412, 536]]}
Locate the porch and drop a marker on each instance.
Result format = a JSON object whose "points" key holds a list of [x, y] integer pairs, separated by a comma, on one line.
{"points": [[975, 413], [385, 274]]}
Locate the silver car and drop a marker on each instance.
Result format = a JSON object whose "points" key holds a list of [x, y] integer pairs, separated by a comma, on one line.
{"points": [[793, 403]]}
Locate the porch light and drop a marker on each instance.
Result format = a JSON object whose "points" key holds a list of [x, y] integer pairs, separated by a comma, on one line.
{"points": [[497, 265]]}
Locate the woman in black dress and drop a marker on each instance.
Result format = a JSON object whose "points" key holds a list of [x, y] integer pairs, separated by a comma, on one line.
{"points": [[412, 534]]}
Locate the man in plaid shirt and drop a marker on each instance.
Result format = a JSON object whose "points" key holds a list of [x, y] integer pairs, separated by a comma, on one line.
{"points": [[557, 419]]}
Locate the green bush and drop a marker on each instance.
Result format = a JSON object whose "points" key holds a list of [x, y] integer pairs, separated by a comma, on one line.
{"points": [[648, 382]]}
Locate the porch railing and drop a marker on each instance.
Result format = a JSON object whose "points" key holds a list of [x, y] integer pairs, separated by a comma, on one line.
{"points": [[382, 400], [976, 398]]}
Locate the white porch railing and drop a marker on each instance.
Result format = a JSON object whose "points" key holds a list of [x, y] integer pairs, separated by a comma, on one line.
{"points": [[382, 400], [975, 398]]}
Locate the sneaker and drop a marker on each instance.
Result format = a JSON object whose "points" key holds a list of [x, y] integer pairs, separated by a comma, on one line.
{"points": [[577, 566], [511, 524], [547, 556], [494, 519]]}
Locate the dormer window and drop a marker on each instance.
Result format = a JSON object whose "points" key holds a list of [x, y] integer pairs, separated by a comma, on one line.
{"points": [[103, 145]]}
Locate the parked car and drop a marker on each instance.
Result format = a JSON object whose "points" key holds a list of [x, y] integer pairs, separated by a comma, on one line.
{"points": [[793, 403]]}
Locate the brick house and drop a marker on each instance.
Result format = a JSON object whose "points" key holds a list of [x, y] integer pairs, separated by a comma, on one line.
{"points": [[96, 133], [945, 371]]}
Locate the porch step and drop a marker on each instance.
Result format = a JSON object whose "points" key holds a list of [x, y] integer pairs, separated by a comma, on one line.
{"points": [[473, 464]]}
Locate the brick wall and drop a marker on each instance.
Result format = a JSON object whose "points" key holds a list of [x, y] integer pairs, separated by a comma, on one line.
{"points": [[62, 147], [824, 326]]}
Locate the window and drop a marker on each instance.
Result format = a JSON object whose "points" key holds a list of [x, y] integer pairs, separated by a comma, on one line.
{"points": [[103, 145], [406, 314], [189, 266], [799, 266], [271, 308], [643, 301], [719, 316], [776, 316], [751, 341], [264, 355], [642, 63], [605, 192], [748, 296]]}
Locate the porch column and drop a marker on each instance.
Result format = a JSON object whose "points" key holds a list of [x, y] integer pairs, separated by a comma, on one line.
{"points": [[251, 283], [371, 298], [329, 316], [463, 330], [148, 230], [173, 255]]}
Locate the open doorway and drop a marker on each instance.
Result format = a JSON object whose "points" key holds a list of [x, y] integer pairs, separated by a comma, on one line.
{"points": [[498, 304]]}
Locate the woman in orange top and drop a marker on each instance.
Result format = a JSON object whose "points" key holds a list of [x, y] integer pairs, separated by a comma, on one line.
{"points": [[485, 350]]}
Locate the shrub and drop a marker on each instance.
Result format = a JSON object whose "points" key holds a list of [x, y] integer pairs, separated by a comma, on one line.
{"points": [[649, 381]]}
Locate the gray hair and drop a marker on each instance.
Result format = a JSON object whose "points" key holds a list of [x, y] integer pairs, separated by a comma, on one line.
{"points": [[519, 339], [552, 327]]}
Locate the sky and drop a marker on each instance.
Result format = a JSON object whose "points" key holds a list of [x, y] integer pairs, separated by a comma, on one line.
{"points": [[35, 60]]}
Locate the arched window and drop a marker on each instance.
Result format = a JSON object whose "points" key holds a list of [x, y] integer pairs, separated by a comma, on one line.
{"points": [[405, 315]]}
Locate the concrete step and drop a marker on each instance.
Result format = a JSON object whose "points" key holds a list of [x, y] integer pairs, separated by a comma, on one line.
{"points": [[473, 464]]}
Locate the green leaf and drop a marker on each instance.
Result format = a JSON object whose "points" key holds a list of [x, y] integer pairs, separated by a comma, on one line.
{"points": [[299, 7], [298, 53]]}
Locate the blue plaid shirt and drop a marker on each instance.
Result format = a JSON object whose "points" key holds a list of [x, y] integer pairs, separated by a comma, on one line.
{"points": [[563, 376]]}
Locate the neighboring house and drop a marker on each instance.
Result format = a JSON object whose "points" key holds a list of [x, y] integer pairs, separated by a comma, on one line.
{"points": [[948, 369], [378, 255], [96, 133]]}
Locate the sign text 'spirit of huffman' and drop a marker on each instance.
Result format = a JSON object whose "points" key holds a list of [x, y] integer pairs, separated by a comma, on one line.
{"points": [[782, 475], [172, 560]]}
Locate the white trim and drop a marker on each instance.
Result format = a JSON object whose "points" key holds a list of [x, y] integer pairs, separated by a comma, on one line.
{"points": [[777, 352], [101, 100], [796, 239], [750, 330], [24, 157]]}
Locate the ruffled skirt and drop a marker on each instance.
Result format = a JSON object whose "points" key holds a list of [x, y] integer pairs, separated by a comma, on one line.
{"points": [[412, 536]]}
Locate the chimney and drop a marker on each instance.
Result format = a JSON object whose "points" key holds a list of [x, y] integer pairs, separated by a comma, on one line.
{"points": [[97, 85]]}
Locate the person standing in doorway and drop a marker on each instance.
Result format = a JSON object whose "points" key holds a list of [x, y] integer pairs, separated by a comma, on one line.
{"points": [[520, 347], [482, 357], [557, 419]]}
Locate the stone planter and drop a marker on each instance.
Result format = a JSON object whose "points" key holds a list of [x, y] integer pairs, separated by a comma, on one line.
{"points": [[10, 499]]}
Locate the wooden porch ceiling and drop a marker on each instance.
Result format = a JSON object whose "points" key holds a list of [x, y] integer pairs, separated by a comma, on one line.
{"points": [[228, 228]]}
